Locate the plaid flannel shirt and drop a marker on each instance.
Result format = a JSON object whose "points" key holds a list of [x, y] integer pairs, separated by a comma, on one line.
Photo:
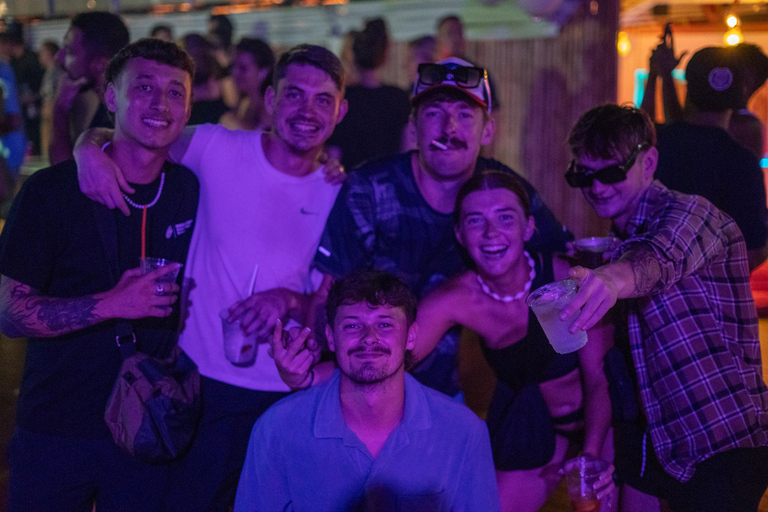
{"points": [[694, 338]]}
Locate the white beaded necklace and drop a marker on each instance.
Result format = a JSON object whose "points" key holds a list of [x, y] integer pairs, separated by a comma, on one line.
{"points": [[148, 205], [518, 295]]}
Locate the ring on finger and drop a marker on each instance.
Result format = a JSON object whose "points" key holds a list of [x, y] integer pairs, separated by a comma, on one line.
{"points": [[159, 288]]}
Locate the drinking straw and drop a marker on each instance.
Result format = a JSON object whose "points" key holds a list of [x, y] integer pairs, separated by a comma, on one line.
{"points": [[249, 291]]}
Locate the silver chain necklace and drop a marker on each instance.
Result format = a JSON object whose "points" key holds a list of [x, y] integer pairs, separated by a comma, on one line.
{"points": [[517, 296], [148, 205]]}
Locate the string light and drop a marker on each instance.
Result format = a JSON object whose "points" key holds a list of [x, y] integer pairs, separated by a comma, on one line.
{"points": [[733, 37], [623, 45]]}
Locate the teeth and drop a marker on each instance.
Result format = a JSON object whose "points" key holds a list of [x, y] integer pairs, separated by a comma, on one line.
{"points": [[155, 122], [304, 127], [493, 249]]}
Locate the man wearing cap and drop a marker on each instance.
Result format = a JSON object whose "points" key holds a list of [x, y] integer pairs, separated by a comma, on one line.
{"points": [[394, 214], [698, 156], [691, 424]]}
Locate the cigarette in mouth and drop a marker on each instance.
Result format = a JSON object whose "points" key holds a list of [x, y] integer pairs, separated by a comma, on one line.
{"points": [[439, 145]]}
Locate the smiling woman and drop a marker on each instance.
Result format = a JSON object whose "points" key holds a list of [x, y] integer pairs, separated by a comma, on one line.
{"points": [[546, 404]]}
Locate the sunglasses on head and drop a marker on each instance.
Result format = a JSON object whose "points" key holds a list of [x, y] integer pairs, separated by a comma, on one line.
{"points": [[579, 176], [463, 76]]}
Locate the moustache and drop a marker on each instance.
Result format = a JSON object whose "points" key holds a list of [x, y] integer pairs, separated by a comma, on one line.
{"points": [[376, 349]]}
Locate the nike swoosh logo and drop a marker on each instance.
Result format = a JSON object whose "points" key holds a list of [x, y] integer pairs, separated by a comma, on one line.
{"points": [[305, 212]]}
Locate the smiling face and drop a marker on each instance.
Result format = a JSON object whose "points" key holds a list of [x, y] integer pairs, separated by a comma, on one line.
{"points": [[151, 102], [305, 107], [461, 127], [370, 342], [619, 201], [493, 228]]}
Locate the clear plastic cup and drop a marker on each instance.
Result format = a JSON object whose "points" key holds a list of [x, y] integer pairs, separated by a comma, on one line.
{"points": [[150, 264], [590, 250], [581, 474], [239, 349], [547, 302]]}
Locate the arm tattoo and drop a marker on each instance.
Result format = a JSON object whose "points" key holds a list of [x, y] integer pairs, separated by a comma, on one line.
{"points": [[26, 313], [646, 270]]}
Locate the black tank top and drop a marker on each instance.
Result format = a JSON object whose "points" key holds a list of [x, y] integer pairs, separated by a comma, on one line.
{"points": [[531, 359]]}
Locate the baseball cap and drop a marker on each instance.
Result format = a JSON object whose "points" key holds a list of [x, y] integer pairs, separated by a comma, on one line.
{"points": [[453, 73], [714, 79]]}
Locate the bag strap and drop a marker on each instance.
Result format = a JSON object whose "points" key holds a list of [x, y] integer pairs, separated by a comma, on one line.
{"points": [[125, 338]]}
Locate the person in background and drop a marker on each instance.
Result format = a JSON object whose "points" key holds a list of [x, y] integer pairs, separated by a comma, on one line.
{"points": [[378, 113], [745, 127], [371, 438], [348, 57], [92, 40], [53, 72], [207, 105], [698, 156], [162, 32], [13, 142], [252, 73], [220, 34], [62, 290], [29, 77], [695, 432]]}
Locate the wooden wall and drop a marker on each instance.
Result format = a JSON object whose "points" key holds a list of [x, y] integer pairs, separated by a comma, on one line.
{"points": [[543, 86]]}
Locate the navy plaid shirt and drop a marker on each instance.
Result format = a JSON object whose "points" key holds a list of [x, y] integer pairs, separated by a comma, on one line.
{"points": [[694, 338]]}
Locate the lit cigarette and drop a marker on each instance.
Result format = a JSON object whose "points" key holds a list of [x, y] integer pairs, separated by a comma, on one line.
{"points": [[439, 145]]}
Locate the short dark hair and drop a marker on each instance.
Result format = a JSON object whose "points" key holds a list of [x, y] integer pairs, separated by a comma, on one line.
{"points": [[375, 288], [611, 132], [104, 33], [262, 54], [154, 49], [312, 55], [51, 46], [753, 61], [491, 180], [161, 28], [369, 47], [449, 18], [201, 50]]}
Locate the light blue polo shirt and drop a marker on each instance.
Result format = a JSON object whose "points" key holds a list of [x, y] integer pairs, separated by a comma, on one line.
{"points": [[303, 457]]}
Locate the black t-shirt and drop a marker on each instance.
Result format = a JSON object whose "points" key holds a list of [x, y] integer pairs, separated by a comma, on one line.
{"points": [[51, 242], [374, 123], [207, 111], [706, 161]]}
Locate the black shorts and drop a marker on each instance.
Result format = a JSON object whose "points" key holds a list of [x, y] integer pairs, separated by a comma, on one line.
{"points": [[734, 480]]}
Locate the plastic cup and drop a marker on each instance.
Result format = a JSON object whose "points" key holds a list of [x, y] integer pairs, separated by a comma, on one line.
{"points": [[547, 302], [590, 250], [581, 474], [150, 264], [239, 349]]}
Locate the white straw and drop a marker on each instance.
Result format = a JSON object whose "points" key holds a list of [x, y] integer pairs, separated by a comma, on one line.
{"points": [[249, 291]]}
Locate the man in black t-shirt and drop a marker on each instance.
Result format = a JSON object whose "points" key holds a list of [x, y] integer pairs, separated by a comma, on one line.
{"points": [[394, 214], [58, 289]]}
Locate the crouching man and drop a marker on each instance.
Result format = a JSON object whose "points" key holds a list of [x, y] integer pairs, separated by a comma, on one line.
{"points": [[370, 438]]}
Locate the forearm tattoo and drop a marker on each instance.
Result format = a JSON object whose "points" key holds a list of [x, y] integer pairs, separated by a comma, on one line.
{"points": [[646, 269], [29, 314]]}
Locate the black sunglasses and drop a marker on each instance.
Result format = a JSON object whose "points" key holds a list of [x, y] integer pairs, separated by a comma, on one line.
{"points": [[463, 76], [579, 176]]}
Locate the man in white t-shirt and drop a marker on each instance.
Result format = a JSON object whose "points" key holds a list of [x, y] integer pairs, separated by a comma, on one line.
{"points": [[263, 203]]}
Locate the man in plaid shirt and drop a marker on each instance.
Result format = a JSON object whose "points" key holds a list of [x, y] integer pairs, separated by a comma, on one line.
{"points": [[700, 438]]}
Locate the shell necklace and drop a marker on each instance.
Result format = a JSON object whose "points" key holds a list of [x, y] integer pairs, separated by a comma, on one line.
{"points": [[518, 295]]}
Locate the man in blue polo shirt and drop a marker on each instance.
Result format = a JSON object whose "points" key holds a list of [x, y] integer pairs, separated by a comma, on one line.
{"points": [[371, 437]]}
